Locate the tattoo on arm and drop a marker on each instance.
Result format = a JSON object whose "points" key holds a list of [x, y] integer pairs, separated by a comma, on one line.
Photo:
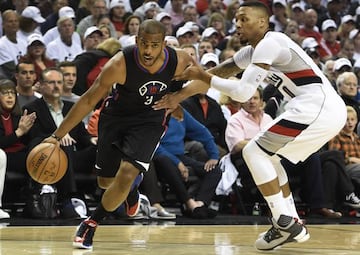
{"points": [[226, 69]]}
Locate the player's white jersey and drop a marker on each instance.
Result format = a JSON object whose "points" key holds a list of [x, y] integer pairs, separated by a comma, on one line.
{"points": [[291, 68]]}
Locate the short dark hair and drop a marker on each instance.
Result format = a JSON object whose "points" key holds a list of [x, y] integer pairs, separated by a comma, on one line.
{"points": [[66, 64], [151, 26], [256, 4], [6, 84]]}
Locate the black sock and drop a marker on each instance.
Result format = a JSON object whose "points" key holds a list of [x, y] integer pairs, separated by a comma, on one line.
{"points": [[99, 214]]}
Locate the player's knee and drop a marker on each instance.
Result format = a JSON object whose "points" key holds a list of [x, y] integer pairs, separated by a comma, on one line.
{"points": [[104, 182], [249, 149]]}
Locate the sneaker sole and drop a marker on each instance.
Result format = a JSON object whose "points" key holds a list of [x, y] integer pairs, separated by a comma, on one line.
{"points": [[136, 211], [80, 245], [355, 206]]}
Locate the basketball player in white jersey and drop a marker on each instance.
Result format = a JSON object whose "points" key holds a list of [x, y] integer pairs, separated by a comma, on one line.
{"points": [[313, 115]]}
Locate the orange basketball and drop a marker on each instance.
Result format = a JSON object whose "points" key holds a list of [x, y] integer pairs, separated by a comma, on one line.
{"points": [[46, 163]]}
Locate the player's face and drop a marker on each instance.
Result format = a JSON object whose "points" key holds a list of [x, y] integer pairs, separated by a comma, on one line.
{"points": [[150, 48], [249, 24]]}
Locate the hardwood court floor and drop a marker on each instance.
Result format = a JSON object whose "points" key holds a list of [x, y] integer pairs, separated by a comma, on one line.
{"points": [[174, 240]]}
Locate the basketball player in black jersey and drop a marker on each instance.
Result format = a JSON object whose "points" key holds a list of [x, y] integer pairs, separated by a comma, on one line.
{"points": [[129, 128]]}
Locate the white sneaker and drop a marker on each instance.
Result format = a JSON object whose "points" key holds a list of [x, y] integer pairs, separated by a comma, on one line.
{"points": [[4, 215]]}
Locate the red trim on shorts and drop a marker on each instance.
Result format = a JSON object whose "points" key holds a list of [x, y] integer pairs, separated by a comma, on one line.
{"points": [[278, 129], [301, 74]]}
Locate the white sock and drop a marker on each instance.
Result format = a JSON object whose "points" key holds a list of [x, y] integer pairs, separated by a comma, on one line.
{"points": [[277, 205], [291, 206]]}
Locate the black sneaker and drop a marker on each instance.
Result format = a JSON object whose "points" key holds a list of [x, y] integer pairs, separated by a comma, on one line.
{"points": [[285, 230], [352, 200], [84, 234]]}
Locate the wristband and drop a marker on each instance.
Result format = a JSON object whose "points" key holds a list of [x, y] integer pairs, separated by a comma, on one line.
{"points": [[54, 136]]}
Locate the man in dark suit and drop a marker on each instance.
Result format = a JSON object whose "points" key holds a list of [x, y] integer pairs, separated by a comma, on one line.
{"points": [[79, 146]]}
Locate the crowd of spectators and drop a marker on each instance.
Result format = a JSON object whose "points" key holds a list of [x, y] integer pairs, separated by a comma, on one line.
{"points": [[74, 39]]}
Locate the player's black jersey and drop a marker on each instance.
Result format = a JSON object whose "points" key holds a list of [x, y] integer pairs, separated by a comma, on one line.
{"points": [[141, 88]]}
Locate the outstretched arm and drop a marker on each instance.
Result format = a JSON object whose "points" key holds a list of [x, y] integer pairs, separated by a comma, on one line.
{"points": [[200, 82]]}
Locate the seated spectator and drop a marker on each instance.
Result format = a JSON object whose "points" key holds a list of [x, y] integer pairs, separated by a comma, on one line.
{"points": [[329, 45], [92, 37], [349, 142], [64, 47], [79, 146], [3, 214], [14, 127], [36, 53], [131, 28], [89, 64], [229, 106], [25, 81], [12, 47], [174, 167], [29, 22]]}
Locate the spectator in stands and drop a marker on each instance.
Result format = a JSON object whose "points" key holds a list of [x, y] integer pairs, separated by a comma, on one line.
{"points": [[148, 10], [334, 12], [70, 74], [215, 6], [279, 19], [347, 24], [174, 166], [118, 15], [132, 25], [342, 65], [29, 22], [3, 214], [98, 8], [354, 35], [172, 41], [53, 33], [310, 29], [212, 35], [92, 38], [184, 35], [36, 53], [292, 30], [190, 14], [347, 49], [228, 105], [14, 127], [105, 30], [348, 142], [83, 10], [64, 48], [89, 64], [166, 19], [329, 45], [191, 49], [347, 87], [176, 11], [328, 70], [50, 21], [12, 47], [217, 21], [25, 76], [297, 13], [79, 146], [104, 19]]}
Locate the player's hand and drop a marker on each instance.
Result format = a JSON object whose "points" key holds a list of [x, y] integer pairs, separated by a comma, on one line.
{"points": [[51, 139], [210, 164], [169, 102], [194, 72], [67, 140]]}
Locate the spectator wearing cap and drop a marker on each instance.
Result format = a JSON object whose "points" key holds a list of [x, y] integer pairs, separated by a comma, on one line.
{"points": [[342, 65], [50, 20], [209, 60], [347, 24], [65, 12], [320, 9], [98, 8], [36, 54], [12, 47], [132, 24], [212, 34], [298, 13], [310, 29], [92, 38], [172, 41], [329, 45], [196, 30], [166, 19], [148, 10], [279, 19], [354, 35], [64, 48], [190, 14], [29, 21], [184, 35], [118, 16]]}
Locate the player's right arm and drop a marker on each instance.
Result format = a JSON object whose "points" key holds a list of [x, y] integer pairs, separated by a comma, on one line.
{"points": [[101, 87]]}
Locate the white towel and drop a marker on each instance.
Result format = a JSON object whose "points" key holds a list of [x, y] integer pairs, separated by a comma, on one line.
{"points": [[229, 176]]}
